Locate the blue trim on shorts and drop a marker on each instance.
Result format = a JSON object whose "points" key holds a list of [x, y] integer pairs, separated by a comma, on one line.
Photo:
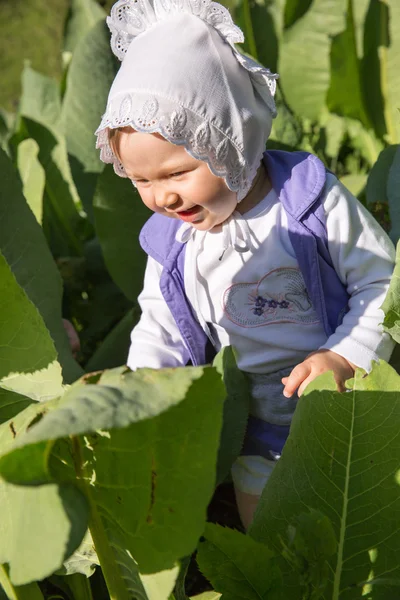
{"points": [[264, 439]]}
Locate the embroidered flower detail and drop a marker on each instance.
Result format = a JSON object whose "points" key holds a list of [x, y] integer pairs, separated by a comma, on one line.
{"points": [[125, 110], [261, 304], [148, 113], [130, 18], [177, 123], [202, 138]]}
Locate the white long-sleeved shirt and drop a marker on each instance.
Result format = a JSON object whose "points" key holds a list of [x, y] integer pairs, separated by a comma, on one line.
{"points": [[256, 300]]}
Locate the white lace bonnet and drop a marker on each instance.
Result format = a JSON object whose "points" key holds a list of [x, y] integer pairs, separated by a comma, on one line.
{"points": [[181, 76]]}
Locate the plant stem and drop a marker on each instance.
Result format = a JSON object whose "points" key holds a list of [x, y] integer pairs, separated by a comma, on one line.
{"points": [[80, 587], [30, 591], [114, 581]]}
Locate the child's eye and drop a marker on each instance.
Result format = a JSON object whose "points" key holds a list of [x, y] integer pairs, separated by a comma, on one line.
{"points": [[177, 174], [140, 181]]}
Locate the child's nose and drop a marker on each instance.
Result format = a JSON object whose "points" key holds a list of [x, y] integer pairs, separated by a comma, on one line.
{"points": [[165, 198]]}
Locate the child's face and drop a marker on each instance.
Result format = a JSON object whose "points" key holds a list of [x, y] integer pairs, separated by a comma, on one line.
{"points": [[173, 183]]}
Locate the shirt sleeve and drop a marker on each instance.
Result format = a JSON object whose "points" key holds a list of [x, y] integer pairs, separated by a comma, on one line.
{"points": [[155, 341], [363, 257]]}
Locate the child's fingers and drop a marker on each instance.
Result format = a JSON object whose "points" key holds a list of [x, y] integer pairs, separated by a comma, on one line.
{"points": [[295, 379]]}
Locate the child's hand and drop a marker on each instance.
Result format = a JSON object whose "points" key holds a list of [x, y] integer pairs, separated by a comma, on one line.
{"points": [[73, 338], [316, 363]]}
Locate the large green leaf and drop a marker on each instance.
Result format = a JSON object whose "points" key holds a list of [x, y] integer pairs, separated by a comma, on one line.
{"points": [[262, 25], [60, 191], [207, 596], [32, 176], [342, 458], [24, 247], [286, 128], [391, 305], [238, 566], [304, 62], [375, 37], [84, 14], [25, 344], [40, 98], [28, 367], [8, 591], [236, 411], [85, 100], [52, 518], [119, 215], [390, 57], [393, 194], [113, 350], [379, 175], [84, 560], [40, 108], [345, 95], [381, 67], [11, 404], [360, 9], [363, 140], [148, 457]]}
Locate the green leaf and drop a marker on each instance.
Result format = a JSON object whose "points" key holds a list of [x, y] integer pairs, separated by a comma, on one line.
{"points": [[84, 14], [24, 247], [364, 141], [60, 190], [40, 527], [294, 10], [88, 84], [305, 56], [311, 543], [83, 561], [119, 216], [264, 22], [40, 98], [236, 411], [286, 128], [114, 348], [11, 404], [179, 589], [335, 131], [7, 124], [40, 109], [164, 422], [158, 586], [375, 36], [345, 95], [391, 304], [360, 10], [25, 344], [32, 176], [390, 61], [237, 565], [381, 68], [206, 596], [41, 385], [393, 194], [354, 183], [79, 586], [342, 459], [378, 177], [24, 592]]}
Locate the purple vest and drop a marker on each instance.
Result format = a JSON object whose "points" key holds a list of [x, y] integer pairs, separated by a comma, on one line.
{"points": [[298, 178]]}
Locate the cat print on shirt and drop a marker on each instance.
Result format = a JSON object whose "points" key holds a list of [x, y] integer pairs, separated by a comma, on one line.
{"points": [[278, 297]]}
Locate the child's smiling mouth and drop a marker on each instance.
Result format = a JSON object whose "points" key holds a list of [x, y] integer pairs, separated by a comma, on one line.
{"points": [[189, 215]]}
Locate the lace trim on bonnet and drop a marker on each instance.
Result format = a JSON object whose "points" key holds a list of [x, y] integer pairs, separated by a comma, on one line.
{"points": [[180, 125]]}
